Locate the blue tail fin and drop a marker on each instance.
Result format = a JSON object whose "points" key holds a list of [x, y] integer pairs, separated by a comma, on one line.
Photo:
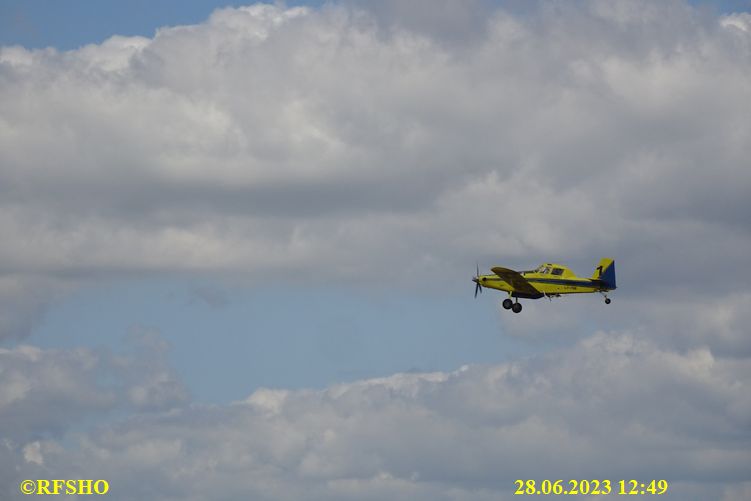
{"points": [[605, 273]]}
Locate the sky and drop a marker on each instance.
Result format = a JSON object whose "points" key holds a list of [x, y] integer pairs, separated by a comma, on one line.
{"points": [[238, 243]]}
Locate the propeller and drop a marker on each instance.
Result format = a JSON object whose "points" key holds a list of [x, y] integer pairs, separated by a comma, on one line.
{"points": [[476, 280]]}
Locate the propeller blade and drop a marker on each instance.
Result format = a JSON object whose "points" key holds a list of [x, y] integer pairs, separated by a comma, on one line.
{"points": [[476, 279]]}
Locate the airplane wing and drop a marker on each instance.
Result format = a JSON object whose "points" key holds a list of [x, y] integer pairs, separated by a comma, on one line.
{"points": [[518, 282]]}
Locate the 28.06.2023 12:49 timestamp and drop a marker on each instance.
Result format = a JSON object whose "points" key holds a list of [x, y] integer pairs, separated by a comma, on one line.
{"points": [[590, 487]]}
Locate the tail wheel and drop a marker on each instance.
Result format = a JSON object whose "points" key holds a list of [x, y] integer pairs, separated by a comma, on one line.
{"points": [[607, 300], [507, 304], [516, 307]]}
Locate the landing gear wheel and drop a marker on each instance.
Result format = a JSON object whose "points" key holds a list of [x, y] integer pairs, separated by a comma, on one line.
{"points": [[507, 304], [516, 308], [607, 300]]}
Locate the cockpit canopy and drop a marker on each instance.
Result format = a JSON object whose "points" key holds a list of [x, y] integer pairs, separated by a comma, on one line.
{"points": [[550, 269]]}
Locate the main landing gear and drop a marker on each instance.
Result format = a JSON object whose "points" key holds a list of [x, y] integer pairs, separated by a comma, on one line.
{"points": [[507, 304]]}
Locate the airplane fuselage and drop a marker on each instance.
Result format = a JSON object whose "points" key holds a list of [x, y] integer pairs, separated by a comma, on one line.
{"points": [[546, 285], [548, 279]]}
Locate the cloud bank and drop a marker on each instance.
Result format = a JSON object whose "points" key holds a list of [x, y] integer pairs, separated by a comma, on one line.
{"points": [[274, 141], [612, 406]]}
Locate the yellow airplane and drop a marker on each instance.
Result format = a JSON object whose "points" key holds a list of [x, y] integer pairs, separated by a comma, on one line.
{"points": [[548, 280]]}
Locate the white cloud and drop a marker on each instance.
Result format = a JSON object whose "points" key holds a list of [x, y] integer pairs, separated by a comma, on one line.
{"points": [[740, 21], [612, 406], [43, 393], [32, 453], [271, 140]]}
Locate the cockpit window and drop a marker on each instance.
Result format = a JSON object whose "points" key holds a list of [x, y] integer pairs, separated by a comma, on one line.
{"points": [[545, 270], [557, 271]]}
